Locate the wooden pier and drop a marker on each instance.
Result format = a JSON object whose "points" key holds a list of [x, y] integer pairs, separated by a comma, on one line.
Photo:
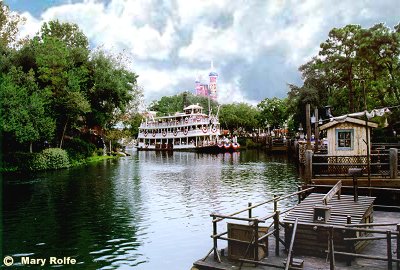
{"points": [[377, 248], [324, 231], [343, 211]]}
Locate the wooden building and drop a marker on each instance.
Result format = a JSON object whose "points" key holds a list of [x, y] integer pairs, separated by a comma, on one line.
{"points": [[348, 137]]}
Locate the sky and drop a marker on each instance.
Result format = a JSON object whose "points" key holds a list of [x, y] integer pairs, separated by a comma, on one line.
{"points": [[256, 46]]}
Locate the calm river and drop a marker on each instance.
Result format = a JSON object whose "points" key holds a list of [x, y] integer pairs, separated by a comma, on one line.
{"points": [[147, 211]]}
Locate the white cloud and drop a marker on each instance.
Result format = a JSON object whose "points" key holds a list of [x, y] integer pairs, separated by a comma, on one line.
{"points": [[170, 41]]}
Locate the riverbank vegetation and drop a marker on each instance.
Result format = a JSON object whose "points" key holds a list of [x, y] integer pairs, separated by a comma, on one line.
{"points": [[59, 98]]}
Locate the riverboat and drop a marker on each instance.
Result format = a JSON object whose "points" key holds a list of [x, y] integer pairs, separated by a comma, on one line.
{"points": [[188, 130]]}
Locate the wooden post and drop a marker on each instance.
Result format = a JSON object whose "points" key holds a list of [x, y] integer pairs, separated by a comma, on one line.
{"points": [[275, 203], [355, 187], [276, 228], [308, 166], [216, 255], [349, 244], [389, 248], [331, 250], [316, 131], [393, 159], [249, 204], [256, 241], [308, 127], [398, 246], [299, 195]]}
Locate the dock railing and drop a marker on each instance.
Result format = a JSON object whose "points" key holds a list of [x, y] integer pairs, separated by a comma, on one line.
{"points": [[351, 232], [324, 165], [256, 240], [360, 230]]}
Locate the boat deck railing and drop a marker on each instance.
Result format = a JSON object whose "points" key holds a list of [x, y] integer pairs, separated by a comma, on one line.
{"points": [[188, 122]]}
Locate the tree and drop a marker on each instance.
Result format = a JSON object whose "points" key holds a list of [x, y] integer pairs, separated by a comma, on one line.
{"points": [[68, 33], [172, 104], [8, 26], [23, 108], [273, 111], [64, 78], [239, 116], [113, 90], [356, 69]]}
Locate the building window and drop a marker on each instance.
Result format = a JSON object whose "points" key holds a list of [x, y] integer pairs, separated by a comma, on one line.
{"points": [[344, 139]]}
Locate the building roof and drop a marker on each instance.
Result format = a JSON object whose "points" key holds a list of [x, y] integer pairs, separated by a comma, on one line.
{"points": [[190, 107], [213, 73], [349, 120]]}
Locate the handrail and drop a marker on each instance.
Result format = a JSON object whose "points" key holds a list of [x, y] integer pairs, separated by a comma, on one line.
{"points": [[289, 257], [262, 203], [373, 188], [342, 227]]}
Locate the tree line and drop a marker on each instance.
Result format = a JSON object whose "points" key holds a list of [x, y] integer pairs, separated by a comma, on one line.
{"points": [[54, 84]]}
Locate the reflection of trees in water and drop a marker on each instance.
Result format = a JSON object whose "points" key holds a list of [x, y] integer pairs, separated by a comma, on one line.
{"points": [[121, 211], [75, 213]]}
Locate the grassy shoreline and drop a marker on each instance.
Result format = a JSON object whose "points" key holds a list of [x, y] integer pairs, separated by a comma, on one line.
{"points": [[72, 163]]}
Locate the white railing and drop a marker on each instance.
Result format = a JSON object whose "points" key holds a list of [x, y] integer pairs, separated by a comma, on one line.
{"points": [[178, 134], [182, 123]]}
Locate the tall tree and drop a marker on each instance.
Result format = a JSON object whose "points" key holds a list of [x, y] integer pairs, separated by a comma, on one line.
{"points": [[24, 108], [113, 89], [65, 79]]}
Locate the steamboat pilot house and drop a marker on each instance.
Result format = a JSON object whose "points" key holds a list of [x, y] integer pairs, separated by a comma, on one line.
{"points": [[190, 129]]}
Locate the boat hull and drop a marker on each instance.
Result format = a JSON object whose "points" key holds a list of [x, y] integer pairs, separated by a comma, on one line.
{"points": [[218, 148]]}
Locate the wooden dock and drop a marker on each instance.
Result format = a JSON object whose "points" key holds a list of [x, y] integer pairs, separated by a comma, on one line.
{"points": [[324, 231], [312, 239], [374, 248]]}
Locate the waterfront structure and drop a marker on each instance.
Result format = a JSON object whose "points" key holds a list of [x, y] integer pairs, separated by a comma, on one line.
{"points": [[207, 89], [348, 137], [323, 231], [187, 130]]}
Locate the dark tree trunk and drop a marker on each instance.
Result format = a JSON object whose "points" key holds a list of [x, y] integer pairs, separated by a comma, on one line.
{"points": [[63, 133]]}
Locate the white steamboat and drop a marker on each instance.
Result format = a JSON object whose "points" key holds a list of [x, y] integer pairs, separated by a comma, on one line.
{"points": [[187, 130]]}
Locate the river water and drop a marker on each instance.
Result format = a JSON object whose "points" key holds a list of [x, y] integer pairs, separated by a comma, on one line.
{"points": [[147, 211]]}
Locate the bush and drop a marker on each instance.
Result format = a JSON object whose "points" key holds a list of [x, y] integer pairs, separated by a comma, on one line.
{"points": [[48, 159], [55, 158], [21, 160], [79, 149], [100, 152]]}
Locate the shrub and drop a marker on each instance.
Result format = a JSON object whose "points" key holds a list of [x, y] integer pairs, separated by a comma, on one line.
{"points": [[48, 159], [55, 158], [79, 149], [21, 160], [100, 152]]}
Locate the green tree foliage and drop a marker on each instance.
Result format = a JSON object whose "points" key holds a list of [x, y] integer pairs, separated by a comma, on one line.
{"points": [[54, 84], [239, 116], [66, 79], [273, 111], [68, 33], [168, 105], [112, 88], [355, 67], [8, 26], [23, 108]]}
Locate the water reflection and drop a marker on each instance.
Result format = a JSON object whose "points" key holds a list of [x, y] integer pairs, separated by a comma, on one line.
{"points": [[147, 211]]}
